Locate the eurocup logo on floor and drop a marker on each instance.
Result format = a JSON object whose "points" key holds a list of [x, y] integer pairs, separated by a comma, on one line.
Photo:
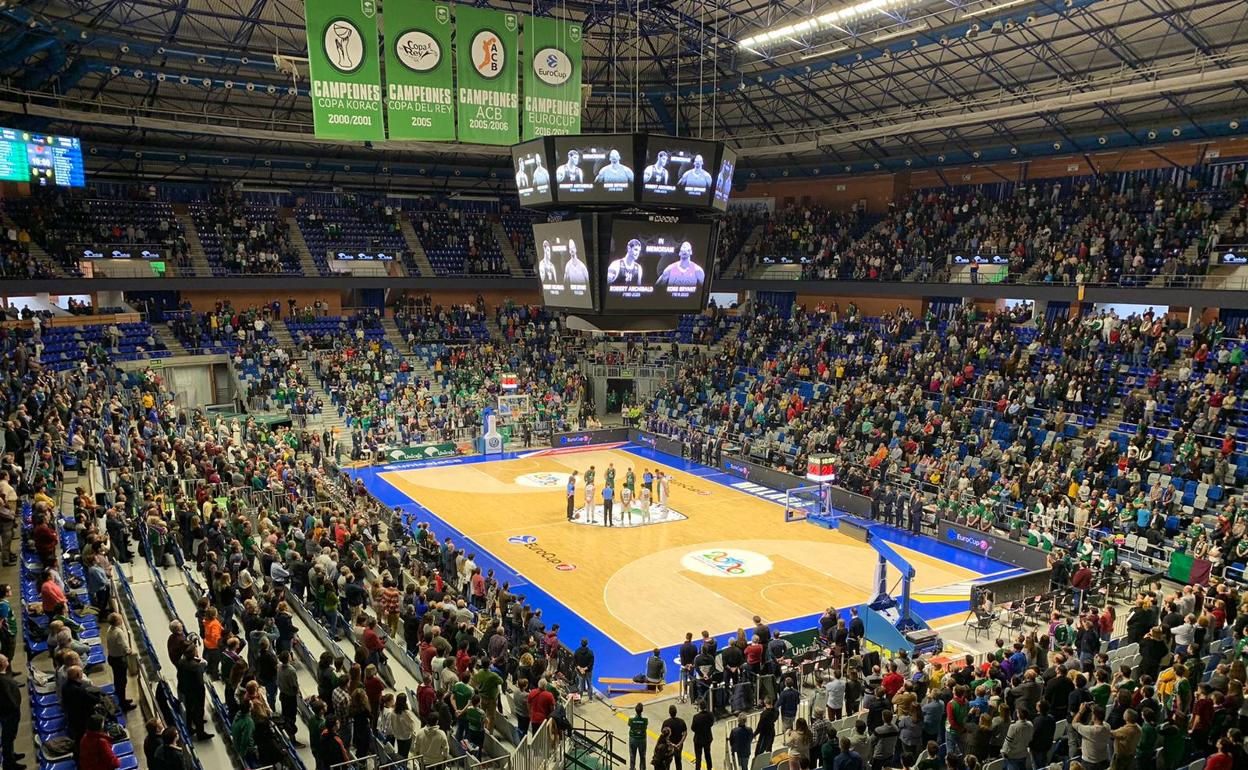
{"points": [[982, 545], [727, 563]]}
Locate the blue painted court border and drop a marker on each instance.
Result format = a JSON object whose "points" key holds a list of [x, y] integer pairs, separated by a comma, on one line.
{"points": [[611, 658]]}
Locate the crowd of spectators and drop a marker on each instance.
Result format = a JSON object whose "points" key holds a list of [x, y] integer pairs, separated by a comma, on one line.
{"points": [[488, 663], [65, 224], [251, 240], [16, 261], [222, 327], [989, 415], [375, 388]]}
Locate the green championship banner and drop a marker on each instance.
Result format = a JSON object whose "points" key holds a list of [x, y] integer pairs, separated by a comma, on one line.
{"points": [[552, 77], [345, 71], [420, 93], [422, 452], [485, 59]]}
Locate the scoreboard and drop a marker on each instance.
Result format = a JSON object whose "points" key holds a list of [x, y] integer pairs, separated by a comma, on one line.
{"points": [[42, 159]]}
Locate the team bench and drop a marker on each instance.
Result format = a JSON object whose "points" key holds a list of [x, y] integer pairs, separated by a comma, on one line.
{"points": [[617, 684]]}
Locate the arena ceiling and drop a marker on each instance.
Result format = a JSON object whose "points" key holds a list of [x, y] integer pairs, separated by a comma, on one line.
{"points": [[917, 83]]}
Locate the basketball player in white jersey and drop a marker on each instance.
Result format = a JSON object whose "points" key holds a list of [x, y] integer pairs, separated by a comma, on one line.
{"points": [[626, 505], [645, 504], [590, 476], [663, 482]]}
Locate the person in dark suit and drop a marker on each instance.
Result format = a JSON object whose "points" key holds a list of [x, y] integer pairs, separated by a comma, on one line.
{"points": [[11, 708], [191, 670], [79, 699], [765, 730]]}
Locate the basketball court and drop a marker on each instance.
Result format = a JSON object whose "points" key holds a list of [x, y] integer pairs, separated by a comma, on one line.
{"points": [[721, 554]]}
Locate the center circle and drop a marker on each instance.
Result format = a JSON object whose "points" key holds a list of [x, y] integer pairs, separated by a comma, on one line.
{"points": [[726, 562]]}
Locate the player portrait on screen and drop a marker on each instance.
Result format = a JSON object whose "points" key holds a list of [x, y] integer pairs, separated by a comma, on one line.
{"points": [[570, 172], [522, 179], [627, 270], [547, 273], [684, 272], [615, 172], [657, 173], [724, 183], [574, 270], [540, 175], [697, 178]]}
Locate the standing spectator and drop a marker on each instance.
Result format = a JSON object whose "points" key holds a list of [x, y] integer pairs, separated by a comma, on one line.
{"points": [[739, 741], [117, 650], [11, 709], [1018, 742], [701, 726], [637, 725], [765, 729], [583, 659], [676, 730]]}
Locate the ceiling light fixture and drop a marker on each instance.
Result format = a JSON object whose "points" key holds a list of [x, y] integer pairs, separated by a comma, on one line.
{"points": [[899, 33], [825, 52], [816, 23]]}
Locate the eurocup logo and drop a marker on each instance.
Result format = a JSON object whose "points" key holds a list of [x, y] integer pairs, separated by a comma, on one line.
{"points": [[982, 545], [649, 441], [737, 468], [552, 66], [584, 438], [522, 539]]}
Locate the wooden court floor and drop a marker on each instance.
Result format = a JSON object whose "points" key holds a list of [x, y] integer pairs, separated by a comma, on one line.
{"points": [[733, 556]]}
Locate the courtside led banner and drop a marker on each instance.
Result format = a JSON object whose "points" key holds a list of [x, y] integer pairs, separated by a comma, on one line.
{"points": [[485, 61], [345, 71], [552, 77], [420, 92]]}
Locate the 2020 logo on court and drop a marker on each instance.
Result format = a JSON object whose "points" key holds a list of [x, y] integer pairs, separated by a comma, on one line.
{"points": [[727, 562]]}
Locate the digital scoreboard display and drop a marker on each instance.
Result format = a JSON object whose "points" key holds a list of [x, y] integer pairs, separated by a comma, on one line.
{"points": [[594, 169], [41, 159], [532, 172], [656, 264], [723, 180], [678, 172], [565, 264]]}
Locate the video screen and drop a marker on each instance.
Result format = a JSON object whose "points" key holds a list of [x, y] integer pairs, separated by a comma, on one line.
{"points": [[594, 169], [563, 264], [41, 159], [657, 266], [678, 171], [532, 172], [723, 180]]}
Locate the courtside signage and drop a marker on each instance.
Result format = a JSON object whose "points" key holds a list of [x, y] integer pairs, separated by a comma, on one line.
{"points": [[344, 68], [420, 92], [552, 77], [485, 61]]}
